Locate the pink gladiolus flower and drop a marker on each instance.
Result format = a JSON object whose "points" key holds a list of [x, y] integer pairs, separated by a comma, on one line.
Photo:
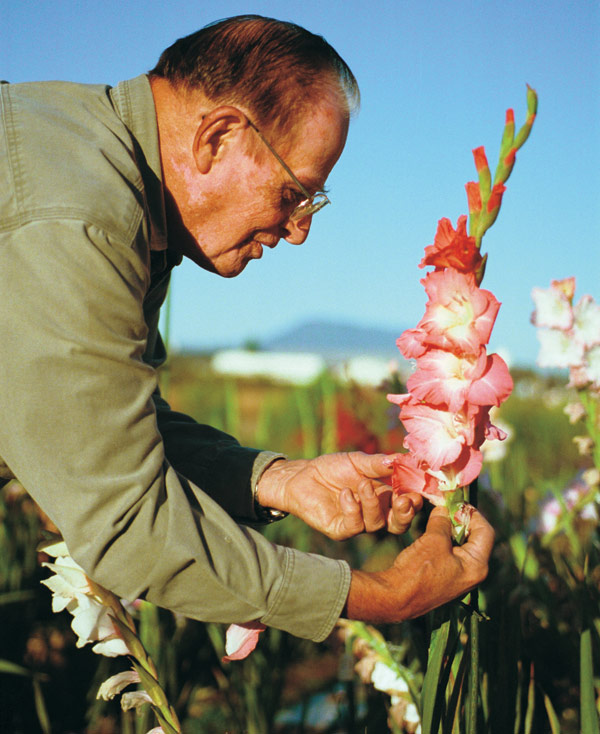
{"points": [[461, 472], [459, 316], [435, 436], [241, 639], [408, 476], [446, 379], [410, 343], [494, 386]]}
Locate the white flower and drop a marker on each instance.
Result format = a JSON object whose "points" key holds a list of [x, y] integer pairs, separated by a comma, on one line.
{"points": [[134, 700], [586, 326], [115, 684], [575, 411], [70, 584], [558, 349], [552, 308], [385, 679], [71, 590], [592, 365], [584, 444]]}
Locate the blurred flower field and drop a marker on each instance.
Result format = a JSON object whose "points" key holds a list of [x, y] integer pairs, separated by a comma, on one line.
{"points": [[538, 488]]}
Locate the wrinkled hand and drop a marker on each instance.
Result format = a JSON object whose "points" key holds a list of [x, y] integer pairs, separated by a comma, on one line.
{"points": [[340, 495], [430, 572]]}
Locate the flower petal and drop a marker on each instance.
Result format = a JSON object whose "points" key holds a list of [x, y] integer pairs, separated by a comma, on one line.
{"points": [[115, 684], [241, 639]]}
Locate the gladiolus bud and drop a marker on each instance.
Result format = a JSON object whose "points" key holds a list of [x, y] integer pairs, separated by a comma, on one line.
{"points": [[480, 158], [496, 197], [483, 169], [473, 197]]}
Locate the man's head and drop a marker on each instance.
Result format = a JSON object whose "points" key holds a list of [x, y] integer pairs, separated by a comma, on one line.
{"points": [[241, 105]]}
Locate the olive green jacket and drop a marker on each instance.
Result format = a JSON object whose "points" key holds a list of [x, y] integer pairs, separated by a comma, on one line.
{"points": [[150, 503]]}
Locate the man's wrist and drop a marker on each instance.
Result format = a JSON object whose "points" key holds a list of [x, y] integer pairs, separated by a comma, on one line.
{"points": [[265, 505]]}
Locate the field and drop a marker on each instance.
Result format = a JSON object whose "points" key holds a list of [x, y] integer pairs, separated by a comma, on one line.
{"points": [[539, 606]]}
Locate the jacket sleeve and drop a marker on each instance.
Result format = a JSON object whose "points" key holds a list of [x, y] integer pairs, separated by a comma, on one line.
{"points": [[78, 428], [213, 460]]}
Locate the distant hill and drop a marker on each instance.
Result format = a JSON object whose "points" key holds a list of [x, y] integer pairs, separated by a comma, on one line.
{"points": [[336, 341]]}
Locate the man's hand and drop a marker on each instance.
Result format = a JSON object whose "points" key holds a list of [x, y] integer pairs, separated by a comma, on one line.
{"points": [[427, 574], [340, 495]]}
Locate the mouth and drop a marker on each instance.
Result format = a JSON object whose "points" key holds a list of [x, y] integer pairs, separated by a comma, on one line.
{"points": [[256, 247]]}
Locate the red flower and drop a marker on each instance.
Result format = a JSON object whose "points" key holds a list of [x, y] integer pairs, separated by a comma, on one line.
{"points": [[453, 248]]}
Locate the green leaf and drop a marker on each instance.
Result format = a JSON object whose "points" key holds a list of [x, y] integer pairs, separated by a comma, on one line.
{"points": [[40, 707], [552, 717], [589, 714], [13, 669], [433, 694], [12, 597]]}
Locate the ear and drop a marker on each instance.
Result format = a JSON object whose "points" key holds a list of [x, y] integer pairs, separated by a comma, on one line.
{"points": [[214, 129]]}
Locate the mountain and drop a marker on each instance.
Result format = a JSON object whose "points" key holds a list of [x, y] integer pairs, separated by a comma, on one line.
{"points": [[336, 341]]}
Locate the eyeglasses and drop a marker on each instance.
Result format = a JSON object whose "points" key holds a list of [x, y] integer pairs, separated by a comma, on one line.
{"points": [[312, 203]]}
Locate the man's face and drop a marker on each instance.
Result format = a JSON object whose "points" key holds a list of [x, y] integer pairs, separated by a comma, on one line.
{"points": [[243, 204]]}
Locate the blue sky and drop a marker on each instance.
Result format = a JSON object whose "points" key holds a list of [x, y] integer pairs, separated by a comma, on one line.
{"points": [[436, 78]]}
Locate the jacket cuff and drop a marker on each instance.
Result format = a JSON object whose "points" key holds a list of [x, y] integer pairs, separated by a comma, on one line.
{"points": [[262, 462], [296, 609]]}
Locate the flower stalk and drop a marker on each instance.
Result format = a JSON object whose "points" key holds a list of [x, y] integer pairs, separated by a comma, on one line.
{"points": [[100, 617]]}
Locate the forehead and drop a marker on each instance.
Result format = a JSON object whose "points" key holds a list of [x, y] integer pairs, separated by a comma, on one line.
{"points": [[316, 142]]}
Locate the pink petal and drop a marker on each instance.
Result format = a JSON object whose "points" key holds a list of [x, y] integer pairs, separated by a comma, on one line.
{"points": [[408, 476], [494, 386], [435, 436], [459, 316], [443, 379], [241, 639], [410, 343]]}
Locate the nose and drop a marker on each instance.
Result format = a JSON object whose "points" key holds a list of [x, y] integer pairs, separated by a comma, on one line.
{"points": [[296, 230]]}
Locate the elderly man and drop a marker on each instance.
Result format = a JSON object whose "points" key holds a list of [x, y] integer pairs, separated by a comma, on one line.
{"points": [[222, 150]]}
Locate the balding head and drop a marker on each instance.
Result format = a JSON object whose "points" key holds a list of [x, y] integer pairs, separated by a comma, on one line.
{"points": [[274, 69]]}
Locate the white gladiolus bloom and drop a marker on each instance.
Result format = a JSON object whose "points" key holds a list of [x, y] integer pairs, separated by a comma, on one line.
{"points": [[586, 326], [71, 590], [134, 700], [558, 349], [385, 679], [115, 684], [592, 365], [552, 308]]}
